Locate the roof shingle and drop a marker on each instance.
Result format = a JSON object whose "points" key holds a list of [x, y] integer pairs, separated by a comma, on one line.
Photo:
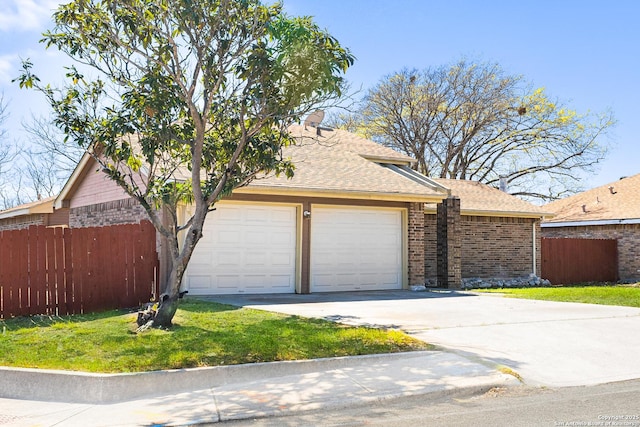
{"points": [[341, 162], [476, 197], [621, 202]]}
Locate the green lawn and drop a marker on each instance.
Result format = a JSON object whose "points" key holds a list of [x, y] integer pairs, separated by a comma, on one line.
{"points": [[205, 334], [626, 295]]}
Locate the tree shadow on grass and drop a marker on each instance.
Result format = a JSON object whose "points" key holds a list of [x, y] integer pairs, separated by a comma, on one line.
{"points": [[199, 306], [248, 339], [46, 321]]}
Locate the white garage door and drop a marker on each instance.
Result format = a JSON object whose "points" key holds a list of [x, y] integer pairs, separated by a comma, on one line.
{"points": [[355, 249], [245, 249]]}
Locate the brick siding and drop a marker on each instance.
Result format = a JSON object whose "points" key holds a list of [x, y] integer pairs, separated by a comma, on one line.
{"points": [[492, 247], [449, 244], [125, 211], [430, 246], [628, 236], [416, 245], [21, 222]]}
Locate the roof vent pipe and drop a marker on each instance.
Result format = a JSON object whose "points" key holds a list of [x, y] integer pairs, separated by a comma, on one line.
{"points": [[611, 190], [503, 184], [584, 208]]}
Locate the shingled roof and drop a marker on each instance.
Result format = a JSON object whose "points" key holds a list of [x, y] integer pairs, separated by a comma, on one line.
{"points": [[618, 201], [342, 164], [36, 207], [481, 199]]}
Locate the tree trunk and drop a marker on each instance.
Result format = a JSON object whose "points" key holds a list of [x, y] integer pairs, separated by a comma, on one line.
{"points": [[168, 301], [166, 310]]}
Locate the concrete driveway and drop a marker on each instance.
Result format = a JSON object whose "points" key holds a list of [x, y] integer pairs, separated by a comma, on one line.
{"points": [[546, 343]]}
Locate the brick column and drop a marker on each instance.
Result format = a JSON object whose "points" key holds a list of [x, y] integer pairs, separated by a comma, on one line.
{"points": [[449, 244], [416, 244]]}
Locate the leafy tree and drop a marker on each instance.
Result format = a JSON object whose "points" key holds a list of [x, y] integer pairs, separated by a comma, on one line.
{"points": [[185, 100], [472, 121]]}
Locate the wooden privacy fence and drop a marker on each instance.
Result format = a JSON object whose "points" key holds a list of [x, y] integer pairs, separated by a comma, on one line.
{"points": [[567, 261], [60, 271]]}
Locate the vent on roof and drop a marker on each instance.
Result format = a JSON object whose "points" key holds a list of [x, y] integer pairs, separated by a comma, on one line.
{"points": [[314, 119], [504, 182], [611, 190]]}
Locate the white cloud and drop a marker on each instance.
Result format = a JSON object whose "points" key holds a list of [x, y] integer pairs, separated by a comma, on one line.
{"points": [[25, 15], [7, 66]]}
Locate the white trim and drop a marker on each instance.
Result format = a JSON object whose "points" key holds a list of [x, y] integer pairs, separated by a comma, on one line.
{"points": [[587, 223], [66, 189], [14, 213], [418, 177]]}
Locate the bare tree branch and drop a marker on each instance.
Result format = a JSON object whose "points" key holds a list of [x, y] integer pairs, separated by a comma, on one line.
{"points": [[472, 121]]}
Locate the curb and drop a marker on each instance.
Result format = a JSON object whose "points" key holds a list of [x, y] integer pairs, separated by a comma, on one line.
{"points": [[83, 387], [340, 403]]}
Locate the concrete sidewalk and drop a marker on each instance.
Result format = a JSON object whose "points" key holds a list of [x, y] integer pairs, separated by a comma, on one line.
{"points": [[284, 389], [548, 343]]}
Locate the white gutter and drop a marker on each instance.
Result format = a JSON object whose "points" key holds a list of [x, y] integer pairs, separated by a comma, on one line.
{"points": [[14, 213], [593, 222]]}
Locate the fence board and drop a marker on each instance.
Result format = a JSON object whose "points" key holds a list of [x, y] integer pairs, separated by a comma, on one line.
{"points": [[66, 271], [51, 268], [37, 274], [569, 261]]}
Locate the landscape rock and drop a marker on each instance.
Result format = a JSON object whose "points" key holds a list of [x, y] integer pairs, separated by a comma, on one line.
{"points": [[519, 282]]}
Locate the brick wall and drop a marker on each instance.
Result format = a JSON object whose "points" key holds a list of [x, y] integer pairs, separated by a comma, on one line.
{"points": [[491, 247], [430, 246], [125, 211], [449, 244], [24, 221], [628, 236], [416, 245]]}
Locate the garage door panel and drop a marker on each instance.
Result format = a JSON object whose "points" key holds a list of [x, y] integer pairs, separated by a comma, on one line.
{"points": [[245, 249], [256, 237], [282, 238], [278, 259], [256, 259], [356, 249], [225, 237], [226, 282], [199, 281], [277, 283]]}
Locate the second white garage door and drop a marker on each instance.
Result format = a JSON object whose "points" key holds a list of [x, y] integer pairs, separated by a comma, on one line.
{"points": [[245, 248], [356, 249]]}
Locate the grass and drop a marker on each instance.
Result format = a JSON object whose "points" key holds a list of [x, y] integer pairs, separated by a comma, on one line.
{"points": [[204, 334], [624, 295]]}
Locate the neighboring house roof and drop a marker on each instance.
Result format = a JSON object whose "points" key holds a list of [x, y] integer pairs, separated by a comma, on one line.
{"points": [[37, 207], [483, 200], [338, 163], [617, 202]]}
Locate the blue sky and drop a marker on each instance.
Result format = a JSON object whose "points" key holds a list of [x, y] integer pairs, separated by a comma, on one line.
{"points": [[584, 52]]}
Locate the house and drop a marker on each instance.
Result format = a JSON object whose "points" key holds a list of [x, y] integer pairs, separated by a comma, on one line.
{"points": [[40, 212], [354, 216], [351, 218], [497, 234], [611, 211]]}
